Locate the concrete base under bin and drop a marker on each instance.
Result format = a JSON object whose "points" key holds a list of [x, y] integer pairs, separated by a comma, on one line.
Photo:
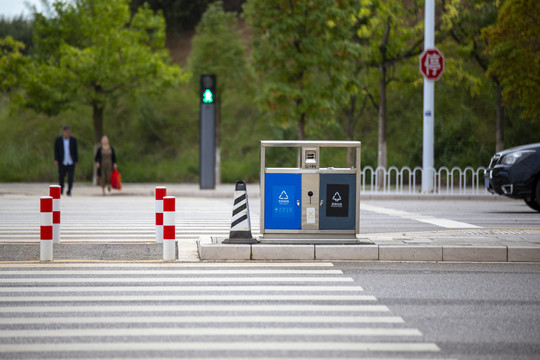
{"points": [[312, 239], [212, 248]]}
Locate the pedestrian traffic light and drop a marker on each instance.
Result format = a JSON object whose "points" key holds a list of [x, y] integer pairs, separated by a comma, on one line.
{"points": [[208, 96], [208, 89]]}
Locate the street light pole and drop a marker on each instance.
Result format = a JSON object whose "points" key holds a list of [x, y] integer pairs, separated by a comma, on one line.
{"points": [[429, 100]]}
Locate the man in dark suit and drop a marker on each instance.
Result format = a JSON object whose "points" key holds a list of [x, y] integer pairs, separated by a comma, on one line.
{"points": [[66, 157]]}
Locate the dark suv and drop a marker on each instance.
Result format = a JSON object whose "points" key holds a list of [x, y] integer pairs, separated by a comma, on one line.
{"points": [[515, 173]]}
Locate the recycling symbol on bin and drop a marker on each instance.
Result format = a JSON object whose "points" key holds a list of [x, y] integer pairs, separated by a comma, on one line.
{"points": [[283, 199], [336, 197]]}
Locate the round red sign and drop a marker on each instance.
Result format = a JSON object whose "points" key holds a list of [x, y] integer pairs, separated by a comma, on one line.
{"points": [[432, 64]]}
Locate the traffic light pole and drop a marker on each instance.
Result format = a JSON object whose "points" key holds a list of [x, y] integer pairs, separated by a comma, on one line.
{"points": [[429, 101], [207, 175]]}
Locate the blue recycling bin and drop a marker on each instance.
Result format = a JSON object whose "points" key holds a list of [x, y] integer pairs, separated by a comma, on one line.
{"points": [[282, 198], [309, 202]]}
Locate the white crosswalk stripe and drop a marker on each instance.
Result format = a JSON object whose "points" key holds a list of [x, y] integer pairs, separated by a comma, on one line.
{"points": [[197, 311], [106, 231]]}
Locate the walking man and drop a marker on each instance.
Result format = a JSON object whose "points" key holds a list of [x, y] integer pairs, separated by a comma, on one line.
{"points": [[66, 157]]}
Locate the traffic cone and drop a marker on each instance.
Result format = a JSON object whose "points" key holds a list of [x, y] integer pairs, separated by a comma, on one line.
{"points": [[240, 224]]}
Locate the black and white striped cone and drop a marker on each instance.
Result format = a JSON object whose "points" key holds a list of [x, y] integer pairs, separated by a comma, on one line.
{"points": [[240, 224]]}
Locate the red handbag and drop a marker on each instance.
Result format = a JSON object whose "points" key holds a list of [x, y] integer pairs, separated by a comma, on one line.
{"points": [[116, 180]]}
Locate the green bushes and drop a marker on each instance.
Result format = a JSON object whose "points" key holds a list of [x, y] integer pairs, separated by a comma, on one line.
{"points": [[157, 138]]}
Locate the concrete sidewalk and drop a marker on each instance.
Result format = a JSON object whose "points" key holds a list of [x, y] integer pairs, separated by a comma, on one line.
{"points": [[467, 245], [485, 245]]}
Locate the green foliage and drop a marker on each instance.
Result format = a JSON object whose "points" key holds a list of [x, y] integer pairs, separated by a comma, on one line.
{"points": [[19, 28], [12, 63], [92, 52], [300, 49], [27, 144], [218, 49], [180, 15], [155, 129], [155, 137], [514, 45]]}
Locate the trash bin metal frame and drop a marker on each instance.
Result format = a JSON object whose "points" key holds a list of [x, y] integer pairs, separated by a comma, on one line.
{"points": [[310, 234]]}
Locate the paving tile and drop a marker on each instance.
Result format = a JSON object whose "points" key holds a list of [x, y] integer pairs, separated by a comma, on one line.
{"points": [[210, 250], [346, 252], [524, 253], [410, 253], [282, 252], [475, 253]]}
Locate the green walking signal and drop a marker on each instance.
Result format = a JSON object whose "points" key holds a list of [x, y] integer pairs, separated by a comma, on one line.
{"points": [[208, 97]]}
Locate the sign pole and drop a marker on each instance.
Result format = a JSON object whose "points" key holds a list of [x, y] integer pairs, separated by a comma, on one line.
{"points": [[429, 100]]}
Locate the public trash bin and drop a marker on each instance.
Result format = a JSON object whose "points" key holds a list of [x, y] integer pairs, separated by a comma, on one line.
{"points": [[307, 203]]}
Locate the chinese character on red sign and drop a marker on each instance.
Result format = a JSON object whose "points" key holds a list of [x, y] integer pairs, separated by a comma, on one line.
{"points": [[432, 64]]}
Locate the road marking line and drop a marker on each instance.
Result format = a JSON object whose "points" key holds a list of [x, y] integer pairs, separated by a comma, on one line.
{"points": [[179, 265], [258, 358], [182, 288], [326, 319], [446, 223], [175, 280], [189, 308], [175, 272], [208, 297], [296, 331], [224, 346]]}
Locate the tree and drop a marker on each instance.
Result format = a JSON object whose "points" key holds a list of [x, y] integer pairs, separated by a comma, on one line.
{"points": [[93, 52], [19, 28], [354, 106], [300, 49], [11, 63], [184, 15], [473, 16], [394, 34], [514, 45], [180, 15], [218, 49]]}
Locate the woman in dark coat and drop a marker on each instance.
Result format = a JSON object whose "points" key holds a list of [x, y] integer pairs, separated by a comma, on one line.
{"points": [[105, 162]]}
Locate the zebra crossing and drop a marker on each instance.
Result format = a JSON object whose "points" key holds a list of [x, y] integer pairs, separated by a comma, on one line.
{"points": [[112, 231], [197, 311], [118, 220]]}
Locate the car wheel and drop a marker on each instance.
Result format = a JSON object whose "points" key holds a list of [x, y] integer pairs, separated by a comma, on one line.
{"points": [[532, 204], [537, 194]]}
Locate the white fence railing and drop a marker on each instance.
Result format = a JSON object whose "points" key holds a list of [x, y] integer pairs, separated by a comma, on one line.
{"points": [[455, 181]]}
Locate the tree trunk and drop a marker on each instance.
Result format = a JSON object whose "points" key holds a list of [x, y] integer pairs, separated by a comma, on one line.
{"points": [[350, 129], [499, 124], [302, 127], [97, 118], [381, 154]]}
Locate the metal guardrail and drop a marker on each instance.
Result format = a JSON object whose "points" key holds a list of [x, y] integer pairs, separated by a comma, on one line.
{"points": [[455, 181]]}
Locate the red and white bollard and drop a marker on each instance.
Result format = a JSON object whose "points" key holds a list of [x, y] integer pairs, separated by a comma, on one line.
{"points": [[54, 192], [46, 228], [161, 192], [169, 228]]}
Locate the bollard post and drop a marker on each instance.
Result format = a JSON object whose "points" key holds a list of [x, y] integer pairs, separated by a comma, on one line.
{"points": [[46, 228], [161, 192], [169, 228], [54, 192]]}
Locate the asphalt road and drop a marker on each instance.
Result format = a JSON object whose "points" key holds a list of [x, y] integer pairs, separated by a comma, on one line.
{"points": [[471, 311], [495, 213]]}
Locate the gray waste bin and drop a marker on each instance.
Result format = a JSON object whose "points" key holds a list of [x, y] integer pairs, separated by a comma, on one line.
{"points": [[307, 203]]}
